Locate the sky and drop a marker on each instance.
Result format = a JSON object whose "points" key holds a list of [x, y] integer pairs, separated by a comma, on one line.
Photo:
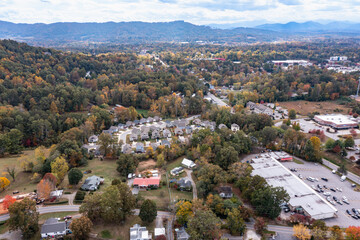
{"points": [[202, 12]]}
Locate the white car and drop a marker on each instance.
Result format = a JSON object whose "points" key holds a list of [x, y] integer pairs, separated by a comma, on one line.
{"points": [[339, 189], [327, 193]]}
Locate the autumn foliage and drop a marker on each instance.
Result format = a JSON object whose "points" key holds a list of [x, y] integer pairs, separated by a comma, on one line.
{"points": [[8, 201], [44, 189], [352, 233]]}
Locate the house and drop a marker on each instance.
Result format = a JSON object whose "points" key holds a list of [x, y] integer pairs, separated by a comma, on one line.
{"points": [[121, 126], [114, 129], [222, 126], [107, 132], [152, 182], [155, 135], [154, 128], [165, 143], [178, 131], [181, 234], [184, 184], [180, 123], [197, 122], [183, 140], [235, 127], [126, 148], [139, 233], [143, 121], [154, 145], [225, 192], [150, 119], [92, 183], [169, 124], [140, 148], [144, 136], [136, 131], [57, 194], [176, 171], [188, 163], [93, 139], [129, 124], [92, 148], [157, 119], [52, 228], [159, 232], [136, 122], [133, 137], [188, 129], [166, 133]]}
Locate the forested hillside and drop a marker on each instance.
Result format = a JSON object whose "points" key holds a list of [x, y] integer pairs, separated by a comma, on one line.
{"points": [[44, 92]]}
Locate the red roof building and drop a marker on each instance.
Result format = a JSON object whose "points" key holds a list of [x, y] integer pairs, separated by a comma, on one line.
{"points": [[147, 182]]}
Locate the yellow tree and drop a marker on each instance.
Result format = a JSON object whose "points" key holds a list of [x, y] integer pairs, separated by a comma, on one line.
{"points": [[59, 168], [301, 232], [4, 182], [184, 211]]}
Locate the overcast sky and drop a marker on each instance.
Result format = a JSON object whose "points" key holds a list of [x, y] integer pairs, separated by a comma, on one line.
{"points": [[194, 11]]}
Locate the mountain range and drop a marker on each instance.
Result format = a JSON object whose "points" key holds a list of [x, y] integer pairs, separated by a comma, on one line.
{"points": [[63, 33]]}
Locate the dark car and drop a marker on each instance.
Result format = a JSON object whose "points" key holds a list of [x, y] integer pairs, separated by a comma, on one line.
{"points": [[15, 192], [325, 187], [335, 199], [354, 216], [348, 212], [67, 217], [332, 189], [325, 179], [354, 211]]}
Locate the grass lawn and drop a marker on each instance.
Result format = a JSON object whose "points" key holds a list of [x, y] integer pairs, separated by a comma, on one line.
{"points": [[121, 230], [22, 181], [305, 107], [178, 195], [160, 196], [298, 161], [143, 112], [105, 169], [43, 217], [173, 164]]}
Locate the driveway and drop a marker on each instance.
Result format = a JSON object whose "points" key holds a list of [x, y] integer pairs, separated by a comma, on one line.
{"points": [[188, 173]]}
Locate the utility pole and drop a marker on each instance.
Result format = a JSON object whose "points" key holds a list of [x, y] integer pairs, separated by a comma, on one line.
{"points": [[357, 92]]}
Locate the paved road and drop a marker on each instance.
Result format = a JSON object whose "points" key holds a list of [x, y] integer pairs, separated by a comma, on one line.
{"points": [[350, 175], [217, 100], [188, 172], [50, 209]]}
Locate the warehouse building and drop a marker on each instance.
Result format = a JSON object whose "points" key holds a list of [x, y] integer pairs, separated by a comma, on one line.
{"points": [[302, 197], [337, 121]]}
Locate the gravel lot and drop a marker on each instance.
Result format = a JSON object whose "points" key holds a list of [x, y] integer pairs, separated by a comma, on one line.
{"points": [[318, 171]]}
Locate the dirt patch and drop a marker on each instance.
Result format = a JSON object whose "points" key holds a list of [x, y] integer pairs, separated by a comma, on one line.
{"points": [[304, 107], [145, 165]]}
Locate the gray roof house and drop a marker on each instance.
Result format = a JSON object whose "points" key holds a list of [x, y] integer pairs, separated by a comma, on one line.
{"points": [[92, 148], [52, 228], [126, 148], [181, 234], [150, 119], [139, 233], [92, 183], [136, 122], [157, 118], [93, 139], [140, 148], [155, 135], [178, 131], [225, 192], [154, 145], [184, 184], [197, 121], [169, 124], [133, 137], [154, 128], [235, 127], [188, 129], [114, 129], [165, 143], [144, 135], [121, 126], [129, 124], [136, 131], [166, 133], [222, 126], [143, 121]]}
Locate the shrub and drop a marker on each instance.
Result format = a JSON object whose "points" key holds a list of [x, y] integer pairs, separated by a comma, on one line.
{"points": [[80, 195]]}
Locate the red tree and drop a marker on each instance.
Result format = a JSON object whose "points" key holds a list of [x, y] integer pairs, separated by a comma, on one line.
{"points": [[8, 201], [352, 233], [49, 177]]}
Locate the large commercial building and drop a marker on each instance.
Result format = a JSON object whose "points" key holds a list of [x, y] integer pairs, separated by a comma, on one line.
{"points": [[301, 195], [337, 121]]}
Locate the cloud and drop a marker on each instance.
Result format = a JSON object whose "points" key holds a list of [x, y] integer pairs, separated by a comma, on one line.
{"points": [[195, 11]]}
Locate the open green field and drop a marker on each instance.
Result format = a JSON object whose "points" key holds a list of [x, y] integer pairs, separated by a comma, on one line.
{"points": [[160, 196], [105, 169], [173, 164], [120, 231], [22, 181], [179, 195], [43, 217]]}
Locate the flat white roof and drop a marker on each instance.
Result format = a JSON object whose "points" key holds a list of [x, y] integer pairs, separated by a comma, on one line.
{"points": [[336, 119], [277, 175]]}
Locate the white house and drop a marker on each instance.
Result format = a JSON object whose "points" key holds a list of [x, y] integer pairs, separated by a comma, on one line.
{"points": [[235, 127], [188, 163], [159, 232]]}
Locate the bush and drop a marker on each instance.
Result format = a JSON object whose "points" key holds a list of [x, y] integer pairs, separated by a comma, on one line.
{"points": [[105, 234], [67, 192], [80, 195], [75, 175], [61, 201]]}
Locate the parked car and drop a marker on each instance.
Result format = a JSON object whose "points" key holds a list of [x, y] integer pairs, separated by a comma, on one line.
{"points": [[332, 189], [67, 217], [15, 192], [348, 212], [325, 179]]}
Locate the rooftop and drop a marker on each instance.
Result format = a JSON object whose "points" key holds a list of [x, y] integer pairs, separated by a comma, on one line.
{"points": [[277, 175], [336, 118]]}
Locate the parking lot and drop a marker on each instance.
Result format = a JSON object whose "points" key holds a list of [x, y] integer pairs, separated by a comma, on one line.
{"points": [[318, 171]]}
